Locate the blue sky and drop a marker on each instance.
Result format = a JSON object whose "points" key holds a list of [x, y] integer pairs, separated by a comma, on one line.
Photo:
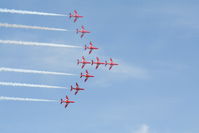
{"points": [[153, 90]]}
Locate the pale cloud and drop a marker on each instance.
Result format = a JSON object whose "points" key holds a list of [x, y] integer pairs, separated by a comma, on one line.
{"points": [[120, 73], [143, 129]]}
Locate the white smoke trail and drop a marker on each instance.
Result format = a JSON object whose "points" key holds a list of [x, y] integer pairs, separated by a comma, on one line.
{"points": [[30, 85], [30, 27], [29, 12], [38, 44], [5, 69], [25, 99]]}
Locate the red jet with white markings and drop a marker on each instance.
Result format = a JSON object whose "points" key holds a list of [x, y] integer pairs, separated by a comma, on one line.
{"points": [[77, 88], [83, 31], [75, 15], [98, 63], [66, 101], [86, 76], [83, 62], [111, 64], [90, 47]]}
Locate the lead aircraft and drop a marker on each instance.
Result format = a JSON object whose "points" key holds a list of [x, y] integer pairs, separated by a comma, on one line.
{"points": [[111, 63]]}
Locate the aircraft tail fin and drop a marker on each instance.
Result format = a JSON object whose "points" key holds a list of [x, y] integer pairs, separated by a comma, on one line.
{"points": [[71, 88], [85, 47], [92, 62], [70, 15], [81, 75], [77, 31], [77, 61], [61, 101]]}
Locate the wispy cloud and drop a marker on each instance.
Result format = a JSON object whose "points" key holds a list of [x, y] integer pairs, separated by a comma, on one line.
{"points": [[130, 70]]}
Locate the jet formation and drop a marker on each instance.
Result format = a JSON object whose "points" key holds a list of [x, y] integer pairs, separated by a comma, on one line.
{"points": [[83, 61]]}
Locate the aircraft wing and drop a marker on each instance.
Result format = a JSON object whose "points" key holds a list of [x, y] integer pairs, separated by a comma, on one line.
{"points": [[77, 85], [90, 51], [75, 12], [111, 59], [97, 59], [75, 19], [66, 105], [97, 66], [76, 92], [86, 79], [110, 67], [83, 66], [67, 98], [82, 35], [83, 27], [87, 72], [83, 58]]}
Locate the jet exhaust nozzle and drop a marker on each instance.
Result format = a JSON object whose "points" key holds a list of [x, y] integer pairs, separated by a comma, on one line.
{"points": [[71, 88], [105, 63]]}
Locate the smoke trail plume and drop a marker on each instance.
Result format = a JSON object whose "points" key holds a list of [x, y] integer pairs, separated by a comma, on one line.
{"points": [[30, 85], [25, 99], [30, 27], [38, 44], [5, 69], [29, 12]]}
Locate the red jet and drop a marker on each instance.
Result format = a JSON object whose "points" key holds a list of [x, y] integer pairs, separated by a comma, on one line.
{"points": [[83, 31], [77, 88], [66, 101], [111, 63], [86, 76], [83, 62], [98, 63], [91, 47], [75, 15]]}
